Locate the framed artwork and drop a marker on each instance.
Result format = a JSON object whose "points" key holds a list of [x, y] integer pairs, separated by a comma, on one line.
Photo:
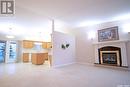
{"points": [[108, 34]]}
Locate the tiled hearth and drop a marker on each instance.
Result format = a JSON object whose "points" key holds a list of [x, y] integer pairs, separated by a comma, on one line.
{"points": [[111, 53]]}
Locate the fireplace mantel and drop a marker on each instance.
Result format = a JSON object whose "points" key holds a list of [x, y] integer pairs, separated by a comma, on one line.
{"points": [[110, 42], [118, 43]]}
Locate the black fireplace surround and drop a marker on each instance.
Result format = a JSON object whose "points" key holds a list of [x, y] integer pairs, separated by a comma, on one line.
{"points": [[110, 58]]}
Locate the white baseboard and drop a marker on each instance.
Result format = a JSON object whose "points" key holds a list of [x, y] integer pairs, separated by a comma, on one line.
{"points": [[84, 63], [62, 65]]}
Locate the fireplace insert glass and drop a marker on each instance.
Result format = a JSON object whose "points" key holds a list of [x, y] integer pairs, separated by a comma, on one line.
{"points": [[109, 58]]}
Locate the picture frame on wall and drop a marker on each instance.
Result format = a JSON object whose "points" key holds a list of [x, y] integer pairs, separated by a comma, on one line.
{"points": [[108, 34]]}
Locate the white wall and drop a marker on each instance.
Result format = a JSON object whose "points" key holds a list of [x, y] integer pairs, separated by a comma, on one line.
{"points": [[84, 43], [63, 56], [84, 47]]}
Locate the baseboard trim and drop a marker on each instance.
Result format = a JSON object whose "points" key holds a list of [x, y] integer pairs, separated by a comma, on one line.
{"points": [[113, 67], [62, 65], [83, 63]]}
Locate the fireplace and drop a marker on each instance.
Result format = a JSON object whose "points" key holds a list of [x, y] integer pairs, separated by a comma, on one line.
{"points": [[110, 55]]}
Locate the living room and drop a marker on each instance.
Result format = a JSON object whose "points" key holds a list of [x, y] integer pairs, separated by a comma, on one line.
{"points": [[65, 43]]}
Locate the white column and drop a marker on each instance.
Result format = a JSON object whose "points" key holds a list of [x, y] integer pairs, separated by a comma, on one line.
{"points": [[96, 54], [124, 54], [52, 40]]}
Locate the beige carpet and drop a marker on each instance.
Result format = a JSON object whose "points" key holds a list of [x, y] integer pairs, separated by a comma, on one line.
{"points": [[76, 75]]}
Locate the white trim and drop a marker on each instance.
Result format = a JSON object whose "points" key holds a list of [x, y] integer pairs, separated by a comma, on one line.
{"points": [[62, 65], [84, 63], [110, 42], [113, 67]]}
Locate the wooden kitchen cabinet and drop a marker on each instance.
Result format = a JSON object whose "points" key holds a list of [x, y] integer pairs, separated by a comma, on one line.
{"points": [[44, 45], [39, 58], [25, 57], [49, 45], [28, 44]]}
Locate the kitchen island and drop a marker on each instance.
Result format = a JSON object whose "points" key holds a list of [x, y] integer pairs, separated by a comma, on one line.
{"points": [[39, 58]]}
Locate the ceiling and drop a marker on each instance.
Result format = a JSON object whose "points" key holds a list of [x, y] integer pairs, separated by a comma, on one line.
{"points": [[76, 11], [35, 16]]}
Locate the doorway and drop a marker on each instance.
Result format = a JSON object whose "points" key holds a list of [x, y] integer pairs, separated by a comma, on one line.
{"points": [[12, 51], [8, 51]]}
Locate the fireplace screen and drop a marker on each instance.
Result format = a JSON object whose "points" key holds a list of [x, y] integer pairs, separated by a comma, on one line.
{"points": [[110, 55], [109, 58]]}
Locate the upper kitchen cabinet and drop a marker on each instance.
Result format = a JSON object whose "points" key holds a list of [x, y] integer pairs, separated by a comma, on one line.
{"points": [[28, 44], [46, 45], [49, 45]]}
